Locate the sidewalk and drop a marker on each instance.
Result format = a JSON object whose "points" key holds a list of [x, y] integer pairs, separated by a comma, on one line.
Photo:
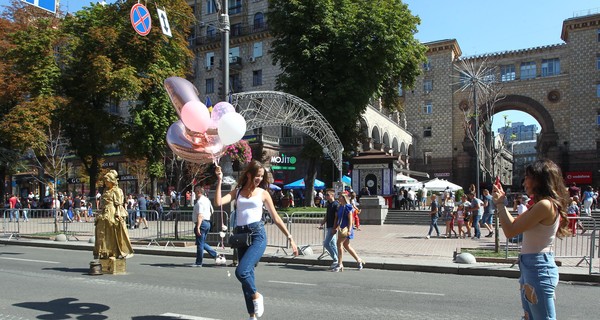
{"points": [[390, 247]]}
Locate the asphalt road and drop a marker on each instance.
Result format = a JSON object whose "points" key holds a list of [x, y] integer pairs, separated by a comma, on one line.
{"points": [[37, 283]]}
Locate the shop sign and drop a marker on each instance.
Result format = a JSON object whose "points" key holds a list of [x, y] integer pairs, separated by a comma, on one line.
{"points": [[580, 177]]}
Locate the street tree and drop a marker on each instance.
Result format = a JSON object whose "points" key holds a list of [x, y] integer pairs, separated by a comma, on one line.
{"points": [[339, 54]]}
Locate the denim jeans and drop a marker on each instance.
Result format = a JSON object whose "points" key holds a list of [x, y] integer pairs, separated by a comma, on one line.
{"points": [[14, 214], [330, 244], [201, 244], [434, 225], [539, 277], [248, 258], [476, 219]]}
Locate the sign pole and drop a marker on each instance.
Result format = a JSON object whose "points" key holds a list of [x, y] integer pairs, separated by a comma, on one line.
{"points": [[225, 45]]}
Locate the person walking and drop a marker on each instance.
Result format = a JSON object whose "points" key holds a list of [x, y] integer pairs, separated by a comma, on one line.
{"points": [[434, 214], [488, 213], [250, 197], [344, 223], [477, 213], [329, 220], [588, 199], [203, 210], [544, 221]]}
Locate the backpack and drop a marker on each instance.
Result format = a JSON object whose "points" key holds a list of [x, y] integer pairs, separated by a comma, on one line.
{"points": [[18, 205]]}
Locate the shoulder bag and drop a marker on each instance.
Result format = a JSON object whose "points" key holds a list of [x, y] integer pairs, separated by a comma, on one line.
{"points": [[239, 240]]}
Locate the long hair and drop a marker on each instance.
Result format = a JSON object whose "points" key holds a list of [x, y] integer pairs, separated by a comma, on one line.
{"points": [[252, 168], [549, 184]]}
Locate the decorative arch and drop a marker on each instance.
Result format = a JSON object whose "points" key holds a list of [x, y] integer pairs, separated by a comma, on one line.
{"points": [[273, 109], [395, 145], [402, 148], [386, 139], [364, 127], [376, 135]]}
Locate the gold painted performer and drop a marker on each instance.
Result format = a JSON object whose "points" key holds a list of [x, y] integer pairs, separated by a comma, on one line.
{"points": [[112, 239]]}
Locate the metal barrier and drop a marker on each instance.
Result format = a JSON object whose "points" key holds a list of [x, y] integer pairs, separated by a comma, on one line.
{"points": [[571, 250], [305, 228], [275, 238]]}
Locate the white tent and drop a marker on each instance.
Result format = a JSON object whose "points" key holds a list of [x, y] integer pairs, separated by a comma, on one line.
{"points": [[441, 185], [407, 182]]}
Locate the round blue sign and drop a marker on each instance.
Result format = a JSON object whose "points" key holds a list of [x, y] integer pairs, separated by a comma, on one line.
{"points": [[140, 19]]}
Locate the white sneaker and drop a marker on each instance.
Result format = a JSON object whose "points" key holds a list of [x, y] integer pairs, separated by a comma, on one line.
{"points": [[259, 306], [427, 237]]}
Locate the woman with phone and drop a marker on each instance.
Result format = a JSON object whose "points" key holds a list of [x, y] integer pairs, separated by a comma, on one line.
{"points": [[545, 220]]}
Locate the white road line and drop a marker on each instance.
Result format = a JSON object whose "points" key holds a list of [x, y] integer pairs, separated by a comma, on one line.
{"points": [[29, 260], [295, 283], [414, 292], [185, 316]]}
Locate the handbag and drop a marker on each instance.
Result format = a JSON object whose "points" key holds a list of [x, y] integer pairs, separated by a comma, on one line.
{"points": [[343, 233], [240, 240]]}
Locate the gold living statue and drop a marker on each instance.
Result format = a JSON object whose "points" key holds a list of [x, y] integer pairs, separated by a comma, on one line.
{"points": [[112, 239]]}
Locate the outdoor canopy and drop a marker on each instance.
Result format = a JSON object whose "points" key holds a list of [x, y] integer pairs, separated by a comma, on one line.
{"points": [[346, 180], [299, 184], [441, 185], [274, 187]]}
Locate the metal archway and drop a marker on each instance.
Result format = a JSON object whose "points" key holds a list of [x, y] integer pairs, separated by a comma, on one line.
{"points": [[273, 108]]}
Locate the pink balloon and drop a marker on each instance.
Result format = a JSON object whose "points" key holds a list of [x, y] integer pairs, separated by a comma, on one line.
{"points": [[193, 146], [180, 92], [220, 109], [195, 116]]}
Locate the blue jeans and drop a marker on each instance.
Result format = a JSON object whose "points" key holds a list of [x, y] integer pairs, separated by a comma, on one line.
{"points": [[248, 258], [201, 244], [14, 214], [330, 244], [433, 225], [539, 277], [476, 219]]}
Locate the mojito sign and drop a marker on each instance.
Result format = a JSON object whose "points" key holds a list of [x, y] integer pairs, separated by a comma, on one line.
{"points": [[283, 162]]}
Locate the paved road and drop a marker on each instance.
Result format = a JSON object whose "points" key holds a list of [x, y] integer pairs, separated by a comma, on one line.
{"points": [[45, 283]]}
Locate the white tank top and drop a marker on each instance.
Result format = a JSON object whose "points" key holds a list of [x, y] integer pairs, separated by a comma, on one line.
{"points": [[249, 210], [540, 238]]}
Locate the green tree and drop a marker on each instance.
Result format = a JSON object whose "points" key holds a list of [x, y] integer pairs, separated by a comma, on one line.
{"points": [[339, 54]]}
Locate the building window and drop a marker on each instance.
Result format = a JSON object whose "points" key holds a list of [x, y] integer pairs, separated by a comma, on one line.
{"points": [[235, 83], [427, 132], [427, 157], [257, 78], [427, 86], [235, 6], [550, 67], [598, 90], [286, 132], [428, 107], [257, 50], [211, 32], [259, 21], [598, 62], [427, 65], [507, 73], [210, 60], [598, 120], [528, 70], [234, 55], [236, 29], [598, 35], [210, 86], [211, 6]]}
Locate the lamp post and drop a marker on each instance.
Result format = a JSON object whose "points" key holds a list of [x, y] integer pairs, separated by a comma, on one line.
{"points": [[476, 108], [225, 26]]}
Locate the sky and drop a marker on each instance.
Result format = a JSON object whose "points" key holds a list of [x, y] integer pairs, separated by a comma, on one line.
{"points": [[479, 26]]}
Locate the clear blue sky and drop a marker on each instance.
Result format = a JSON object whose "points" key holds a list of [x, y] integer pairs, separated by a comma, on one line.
{"points": [[479, 26]]}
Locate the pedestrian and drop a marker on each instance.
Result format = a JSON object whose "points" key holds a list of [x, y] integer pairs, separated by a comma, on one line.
{"points": [[449, 215], [588, 199], [141, 211], [434, 214], [203, 210], [545, 220], [460, 220], [250, 197], [488, 213], [328, 221], [343, 226], [356, 211], [423, 203], [476, 210], [468, 215]]}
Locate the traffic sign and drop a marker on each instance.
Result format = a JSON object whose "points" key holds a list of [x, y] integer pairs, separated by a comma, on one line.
{"points": [[164, 22], [49, 5], [140, 19]]}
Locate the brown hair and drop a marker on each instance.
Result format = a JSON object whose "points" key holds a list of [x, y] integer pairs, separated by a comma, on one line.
{"points": [[252, 168], [549, 184]]}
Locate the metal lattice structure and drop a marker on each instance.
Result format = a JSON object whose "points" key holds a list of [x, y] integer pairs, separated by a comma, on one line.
{"points": [[273, 109]]}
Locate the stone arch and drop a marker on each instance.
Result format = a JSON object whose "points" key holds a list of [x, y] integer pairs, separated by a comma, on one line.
{"points": [[395, 145], [548, 136], [386, 140], [274, 109], [376, 135], [364, 127], [403, 148]]}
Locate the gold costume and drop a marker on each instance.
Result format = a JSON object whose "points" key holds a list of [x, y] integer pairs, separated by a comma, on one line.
{"points": [[112, 239]]}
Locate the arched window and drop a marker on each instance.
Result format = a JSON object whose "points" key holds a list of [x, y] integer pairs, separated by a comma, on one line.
{"points": [[259, 21]]}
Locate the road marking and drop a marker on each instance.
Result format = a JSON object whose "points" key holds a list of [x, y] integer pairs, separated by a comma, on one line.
{"points": [[414, 292], [184, 316], [295, 283], [29, 260]]}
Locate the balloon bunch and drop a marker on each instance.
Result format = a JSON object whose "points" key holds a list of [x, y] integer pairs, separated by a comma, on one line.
{"points": [[200, 136]]}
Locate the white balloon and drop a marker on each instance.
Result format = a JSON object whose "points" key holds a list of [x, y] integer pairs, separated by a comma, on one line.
{"points": [[231, 128]]}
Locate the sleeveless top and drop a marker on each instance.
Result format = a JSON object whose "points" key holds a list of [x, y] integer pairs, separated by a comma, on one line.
{"points": [[249, 210], [540, 238]]}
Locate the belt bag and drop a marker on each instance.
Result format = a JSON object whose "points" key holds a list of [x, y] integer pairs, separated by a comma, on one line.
{"points": [[240, 240]]}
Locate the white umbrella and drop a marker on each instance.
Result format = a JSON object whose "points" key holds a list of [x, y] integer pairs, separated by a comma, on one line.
{"points": [[441, 185]]}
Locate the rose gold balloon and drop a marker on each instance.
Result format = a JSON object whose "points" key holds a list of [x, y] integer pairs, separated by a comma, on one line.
{"points": [[181, 92], [194, 146]]}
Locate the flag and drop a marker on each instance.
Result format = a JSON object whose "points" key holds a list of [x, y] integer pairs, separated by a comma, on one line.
{"points": [[209, 104]]}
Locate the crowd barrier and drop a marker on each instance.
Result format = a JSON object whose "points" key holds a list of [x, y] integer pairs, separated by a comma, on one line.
{"points": [[304, 226], [582, 246]]}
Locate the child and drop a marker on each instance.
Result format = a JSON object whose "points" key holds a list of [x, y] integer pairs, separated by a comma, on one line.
{"points": [[460, 220]]}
